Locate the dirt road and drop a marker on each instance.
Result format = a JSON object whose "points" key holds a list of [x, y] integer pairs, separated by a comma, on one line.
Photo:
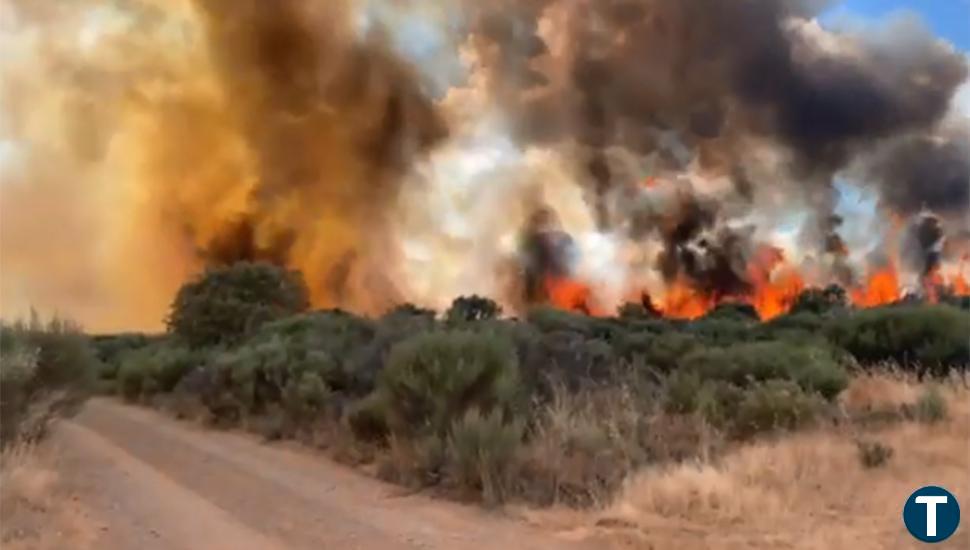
{"points": [[139, 480]]}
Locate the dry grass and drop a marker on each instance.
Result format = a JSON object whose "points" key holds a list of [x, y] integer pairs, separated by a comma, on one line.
{"points": [[35, 510], [808, 490]]}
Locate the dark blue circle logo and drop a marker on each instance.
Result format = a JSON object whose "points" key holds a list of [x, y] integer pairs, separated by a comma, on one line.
{"points": [[931, 514]]}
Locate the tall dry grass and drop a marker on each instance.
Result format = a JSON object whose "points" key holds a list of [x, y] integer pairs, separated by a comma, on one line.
{"points": [[809, 490]]}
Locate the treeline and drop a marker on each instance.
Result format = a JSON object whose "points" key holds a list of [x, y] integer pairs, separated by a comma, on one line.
{"points": [[552, 407]]}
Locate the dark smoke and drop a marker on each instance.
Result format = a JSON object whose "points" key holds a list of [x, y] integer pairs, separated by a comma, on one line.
{"points": [[925, 244], [713, 258], [547, 252], [715, 74], [330, 120], [931, 172]]}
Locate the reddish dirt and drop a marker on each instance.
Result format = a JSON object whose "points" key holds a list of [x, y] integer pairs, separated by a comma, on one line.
{"points": [[143, 481]]}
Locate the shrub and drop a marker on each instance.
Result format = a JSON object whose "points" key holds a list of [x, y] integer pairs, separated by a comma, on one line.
{"points": [[682, 392], [433, 378], [110, 348], [820, 301], [583, 445], [268, 373], [570, 358], [367, 418], [225, 304], [667, 351], [135, 370], [550, 319], [719, 403], [156, 368], [472, 308], [481, 449], [775, 405], [305, 397], [930, 336], [723, 330], [46, 369], [931, 407], [814, 369], [326, 336], [368, 360], [873, 454], [739, 312]]}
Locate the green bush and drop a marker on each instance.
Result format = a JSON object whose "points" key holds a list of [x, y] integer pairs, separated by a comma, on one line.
{"points": [[268, 373], [433, 378], [481, 449], [225, 304], [722, 331], [682, 392], [46, 369], [156, 368], [111, 348], [814, 369], [668, 350], [819, 301], [738, 312], [332, 337], [367, 418], [775, 405], [136, 369], [472, 308], [928, 336], [931, 407], [570, 358]]}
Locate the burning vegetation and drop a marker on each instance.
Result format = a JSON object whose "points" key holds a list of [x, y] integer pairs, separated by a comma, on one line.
{"points": [[685, 153]]}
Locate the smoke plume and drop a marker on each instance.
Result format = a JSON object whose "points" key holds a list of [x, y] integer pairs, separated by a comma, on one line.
{"points": [[397, 151]]}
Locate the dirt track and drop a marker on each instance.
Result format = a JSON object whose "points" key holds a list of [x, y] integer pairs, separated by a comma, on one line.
{"points": [[142, 481]]}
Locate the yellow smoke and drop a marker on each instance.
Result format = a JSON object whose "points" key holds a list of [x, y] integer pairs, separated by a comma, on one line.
{"points": [[140, 140]]}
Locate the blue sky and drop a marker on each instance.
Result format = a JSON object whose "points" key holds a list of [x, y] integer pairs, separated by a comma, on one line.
{"points": [[949, 19]]}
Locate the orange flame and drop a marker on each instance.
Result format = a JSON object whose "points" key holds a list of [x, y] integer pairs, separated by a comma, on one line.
{"points": [[569, 294], [683, 301], [960, 285], [881, 288], [776, 285]]}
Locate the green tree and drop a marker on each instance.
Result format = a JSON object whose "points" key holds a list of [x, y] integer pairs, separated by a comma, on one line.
{"points": [[226, 303]]}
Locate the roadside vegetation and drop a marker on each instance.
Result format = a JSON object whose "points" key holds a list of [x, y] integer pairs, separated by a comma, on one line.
{"points": [[47, 369], [551, 408]]}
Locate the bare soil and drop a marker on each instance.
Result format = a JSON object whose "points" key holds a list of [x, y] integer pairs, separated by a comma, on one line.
{"points": [[135, 479]]}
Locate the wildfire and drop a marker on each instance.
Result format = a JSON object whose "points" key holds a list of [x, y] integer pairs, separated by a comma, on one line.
{"points": [[776, 285], [569, 294], [881, 288], [683, 301]]}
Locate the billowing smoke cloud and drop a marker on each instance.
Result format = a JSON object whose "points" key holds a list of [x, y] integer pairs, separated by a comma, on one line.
{"points": [[676, 140], [237, 130], [930, 171], [702, 85]]}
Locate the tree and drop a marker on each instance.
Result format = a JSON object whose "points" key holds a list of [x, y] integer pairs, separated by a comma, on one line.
{"points": [[225, 303], [821, 301], [472, 308]]}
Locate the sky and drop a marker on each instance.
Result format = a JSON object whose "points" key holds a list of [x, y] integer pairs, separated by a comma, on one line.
{"points": [[948, 19]]}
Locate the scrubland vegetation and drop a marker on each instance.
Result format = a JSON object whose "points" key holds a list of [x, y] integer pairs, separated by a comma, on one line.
{"points": [[551, 408], [47, 369]]}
